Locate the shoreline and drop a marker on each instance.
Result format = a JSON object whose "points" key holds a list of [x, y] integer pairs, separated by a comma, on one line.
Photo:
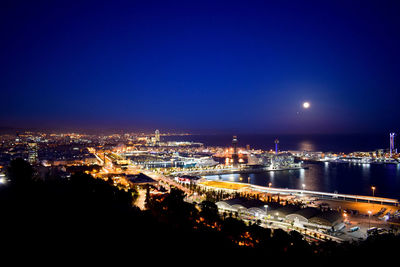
{"points": [[321, 195], [233, 171], [348, 162]]}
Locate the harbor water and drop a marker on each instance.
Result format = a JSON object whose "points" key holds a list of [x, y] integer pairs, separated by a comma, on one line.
{"points": [[346, 178]]}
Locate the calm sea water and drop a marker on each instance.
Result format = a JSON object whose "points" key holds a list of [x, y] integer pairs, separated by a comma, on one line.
{"points": [[326, 143], [347, 178], [329, 177]]}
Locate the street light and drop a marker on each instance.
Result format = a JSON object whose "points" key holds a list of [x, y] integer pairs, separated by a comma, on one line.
{"points": [[369, 219], [373, 195]]}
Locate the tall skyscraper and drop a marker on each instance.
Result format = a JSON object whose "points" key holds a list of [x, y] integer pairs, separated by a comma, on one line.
{"points": [[391, 148], [157, 136]]}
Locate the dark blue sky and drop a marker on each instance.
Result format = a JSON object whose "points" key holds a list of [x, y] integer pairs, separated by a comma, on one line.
{"points": [[201, 66]]}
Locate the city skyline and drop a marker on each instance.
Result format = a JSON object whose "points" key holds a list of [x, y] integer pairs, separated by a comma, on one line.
{"points": [[201, 67], [264, 127]]}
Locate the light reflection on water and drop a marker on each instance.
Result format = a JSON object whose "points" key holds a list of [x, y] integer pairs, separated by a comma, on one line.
{"points": [[306, 146], [329, 177], [302, 172]]}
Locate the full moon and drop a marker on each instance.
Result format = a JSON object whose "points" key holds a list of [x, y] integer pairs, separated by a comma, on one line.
{"points": [[306, 105]]}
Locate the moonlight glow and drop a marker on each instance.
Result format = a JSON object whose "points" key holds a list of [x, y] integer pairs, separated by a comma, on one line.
{"points": [[306, 105]]}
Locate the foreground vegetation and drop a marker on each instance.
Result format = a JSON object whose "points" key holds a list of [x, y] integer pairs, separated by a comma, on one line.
{"points": [[70, 217]]}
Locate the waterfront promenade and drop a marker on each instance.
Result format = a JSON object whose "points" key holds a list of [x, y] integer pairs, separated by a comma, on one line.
{"points": [[320, 195], [338, 196], [204, 172]]}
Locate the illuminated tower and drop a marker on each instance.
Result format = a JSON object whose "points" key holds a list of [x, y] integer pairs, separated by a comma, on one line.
{"points": [[391, 135], [276, 146], [235, 157]]}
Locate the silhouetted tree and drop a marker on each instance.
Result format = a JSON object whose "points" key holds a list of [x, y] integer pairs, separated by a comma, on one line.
{"points": [[233, 228], [20, 173], [85, 212], [174, 211], [209, 211]]}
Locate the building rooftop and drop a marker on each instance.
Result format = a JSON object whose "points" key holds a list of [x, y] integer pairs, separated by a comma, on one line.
{"points": [[308, 212], [140, 179], [286, 210], [329, 218]]}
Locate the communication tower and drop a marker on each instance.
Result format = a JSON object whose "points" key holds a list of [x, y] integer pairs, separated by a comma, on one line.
{"points": [[276, 146], [391, 148]]}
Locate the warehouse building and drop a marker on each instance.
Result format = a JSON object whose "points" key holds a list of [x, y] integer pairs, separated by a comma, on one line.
{"points": [[300, 217]]}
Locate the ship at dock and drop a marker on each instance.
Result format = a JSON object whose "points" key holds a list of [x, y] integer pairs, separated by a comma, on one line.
{"points": [[273, 162]]}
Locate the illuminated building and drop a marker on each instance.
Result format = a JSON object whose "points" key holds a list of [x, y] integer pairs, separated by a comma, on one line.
{"points": [[248, 147], [33, 153], [157, 136], [391, 143], [276, 145]]}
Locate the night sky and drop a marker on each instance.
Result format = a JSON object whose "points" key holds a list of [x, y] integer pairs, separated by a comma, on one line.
{"points": [[201, 66]]}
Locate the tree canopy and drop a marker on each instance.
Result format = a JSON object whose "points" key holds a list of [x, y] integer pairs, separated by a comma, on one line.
{"points": [[85, 212]]}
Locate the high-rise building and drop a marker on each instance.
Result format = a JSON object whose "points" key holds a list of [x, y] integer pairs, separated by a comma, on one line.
{"points": [[391, 148], [33, 153], [157, 136]]}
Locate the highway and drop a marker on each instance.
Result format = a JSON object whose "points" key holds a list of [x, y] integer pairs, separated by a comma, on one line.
{"points": [[108, 167], [166, 181]]}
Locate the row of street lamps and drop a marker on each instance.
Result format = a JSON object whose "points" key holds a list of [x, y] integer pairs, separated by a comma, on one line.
{"points": [[373, 188]]}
